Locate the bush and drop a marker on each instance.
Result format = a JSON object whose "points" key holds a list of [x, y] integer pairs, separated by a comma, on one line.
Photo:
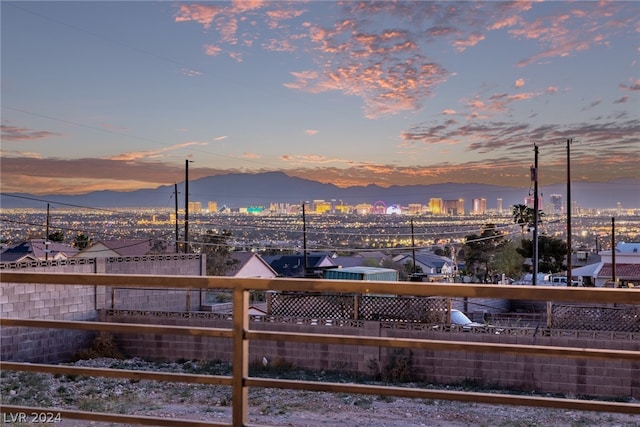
{"points": [[103, 346]]}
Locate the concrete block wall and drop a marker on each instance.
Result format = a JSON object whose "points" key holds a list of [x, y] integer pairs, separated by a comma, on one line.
{"points": [[66, 302], [597, 378], [155, 299], [57, 302]]}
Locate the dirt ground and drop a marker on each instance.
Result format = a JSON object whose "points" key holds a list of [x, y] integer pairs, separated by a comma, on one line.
{"points": [[271, 407]]}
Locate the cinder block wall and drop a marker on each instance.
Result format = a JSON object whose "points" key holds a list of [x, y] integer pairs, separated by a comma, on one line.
{"points": [[597, 378], [35, 301], [60, 302], [155, 299]]}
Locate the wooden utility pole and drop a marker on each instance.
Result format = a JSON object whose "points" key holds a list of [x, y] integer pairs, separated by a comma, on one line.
{"points": [[186, 206], [175, 193], [304, 239], [569, 275], [46, 237], [536, 208], [413, 248], [613, 251]]}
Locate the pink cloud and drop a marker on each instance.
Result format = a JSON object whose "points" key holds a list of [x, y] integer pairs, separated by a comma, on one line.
{"points": [[199, 13], [635, 86], [279, 45], [14, 133], [311, 132], [470, 41], [190, 73], [212, 50], [519, 83], [240, 6], [152, 154]]}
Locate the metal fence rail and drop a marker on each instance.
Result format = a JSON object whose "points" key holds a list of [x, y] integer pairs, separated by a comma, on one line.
{"points": [[241, 334]]}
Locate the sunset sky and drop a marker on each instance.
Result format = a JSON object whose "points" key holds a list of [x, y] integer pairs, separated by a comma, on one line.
{"points": [[117, 95]]}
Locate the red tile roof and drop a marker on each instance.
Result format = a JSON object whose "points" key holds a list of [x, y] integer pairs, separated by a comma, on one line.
{"points": [[623, 271]]}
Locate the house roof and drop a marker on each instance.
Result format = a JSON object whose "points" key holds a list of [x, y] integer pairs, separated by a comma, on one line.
{"points": [[628, 247], [35, 249], [623, 271], [128, 247], [293, 265], [428, 259], [241, 259], [349, 261]]}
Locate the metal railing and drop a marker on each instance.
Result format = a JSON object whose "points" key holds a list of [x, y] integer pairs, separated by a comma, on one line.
{"points": [[240, 381]]}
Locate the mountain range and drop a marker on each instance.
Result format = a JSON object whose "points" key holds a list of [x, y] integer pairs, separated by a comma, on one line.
{"points": [[260, 189]]}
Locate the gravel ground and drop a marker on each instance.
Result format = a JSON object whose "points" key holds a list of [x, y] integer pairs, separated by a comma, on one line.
{"points": [[272, 407]]}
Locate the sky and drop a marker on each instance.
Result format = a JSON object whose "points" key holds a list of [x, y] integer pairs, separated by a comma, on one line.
{"points": [[119, 95]]}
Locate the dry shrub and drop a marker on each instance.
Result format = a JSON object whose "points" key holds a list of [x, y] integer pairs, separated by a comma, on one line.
{"points": [[104, 345]]}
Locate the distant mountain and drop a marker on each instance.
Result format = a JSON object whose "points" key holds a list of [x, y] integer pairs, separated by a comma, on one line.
{"points": [[242, 190]]}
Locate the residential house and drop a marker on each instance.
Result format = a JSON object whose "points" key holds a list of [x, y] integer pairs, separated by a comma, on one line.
{"points": [[125, 248], [627, 268], [248, 264], [430, 266], [37, 250], [293, 265]]}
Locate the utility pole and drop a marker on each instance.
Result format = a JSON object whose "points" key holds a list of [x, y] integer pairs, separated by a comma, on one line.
{"points": [[413, 249], [304, 238], [613, 251], [186, 205], [46, 237], [569, 274], [175, 193], [534, 177]]}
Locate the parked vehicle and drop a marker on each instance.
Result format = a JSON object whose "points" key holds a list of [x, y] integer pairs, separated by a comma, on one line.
{"points": [[558, 281], [460, 319]]}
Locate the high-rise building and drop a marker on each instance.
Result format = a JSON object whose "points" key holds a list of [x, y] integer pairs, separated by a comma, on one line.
{"points": [[528, 201], [212, 207], [364, 208], [479, 206], [499, 205], [453, 207], [320, 206], [415, 209], [556, 202], [435, 206], [195, 207]]}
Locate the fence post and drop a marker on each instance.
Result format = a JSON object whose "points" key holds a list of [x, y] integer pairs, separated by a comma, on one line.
{"points": [[240, 364], [549, 314]]}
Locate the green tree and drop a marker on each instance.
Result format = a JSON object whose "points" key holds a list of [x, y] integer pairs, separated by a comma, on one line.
{"points": [[508, 261], [216, 247], [479, 251], [81, 241], [158, 246], [403, 269], [551, 253], [58, 237]]}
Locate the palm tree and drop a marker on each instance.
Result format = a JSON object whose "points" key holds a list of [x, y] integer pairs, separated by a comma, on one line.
{"points": [[523, 216]]}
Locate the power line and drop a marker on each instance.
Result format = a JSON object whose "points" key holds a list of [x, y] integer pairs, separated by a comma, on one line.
{"points": [[56, 203]]}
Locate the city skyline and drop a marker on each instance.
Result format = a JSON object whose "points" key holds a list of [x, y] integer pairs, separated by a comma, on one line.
{"points": [[116, 95]]}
